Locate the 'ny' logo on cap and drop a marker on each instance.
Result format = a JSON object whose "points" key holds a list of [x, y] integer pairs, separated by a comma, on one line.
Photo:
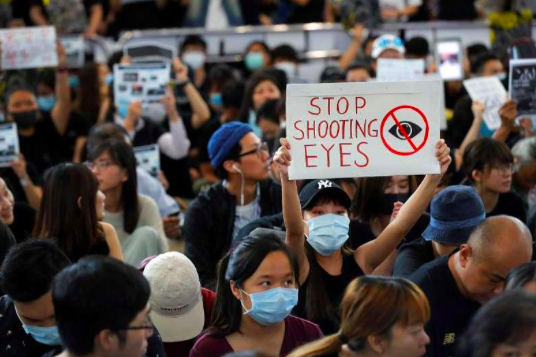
{"points": [[324, 184]]}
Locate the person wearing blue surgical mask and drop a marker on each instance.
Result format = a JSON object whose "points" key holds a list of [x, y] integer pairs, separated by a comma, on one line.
{"points": [[257, 56], [27, 319], [256, 291], [317, 224]]}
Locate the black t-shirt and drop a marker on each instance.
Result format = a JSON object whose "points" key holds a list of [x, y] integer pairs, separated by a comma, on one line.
{"points": [[24, 221], [451, 312], [335, 287], [457, 10], [312, 12], [510, 204], [45, 148], [411, 256], [360, 232]]}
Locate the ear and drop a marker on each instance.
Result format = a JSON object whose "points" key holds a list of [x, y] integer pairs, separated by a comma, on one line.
{"points": [[235, 290], [228, 166], [466, 254], [106, 341], [377, 343], [476, 175], [124, 175], [79, 202]]}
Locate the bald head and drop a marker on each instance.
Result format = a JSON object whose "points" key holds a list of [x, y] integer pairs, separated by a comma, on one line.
{"points": [[501, 237]]}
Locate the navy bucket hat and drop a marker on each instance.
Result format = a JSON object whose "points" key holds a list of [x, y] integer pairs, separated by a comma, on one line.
{"points": [[454, 213], [224, 139]]}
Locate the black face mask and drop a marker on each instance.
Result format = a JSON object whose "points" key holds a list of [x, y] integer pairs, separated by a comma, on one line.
{"points": [[25, 120], [388, 201]]}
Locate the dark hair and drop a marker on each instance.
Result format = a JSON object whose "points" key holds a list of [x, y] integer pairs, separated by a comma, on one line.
{"points": [[122, 155], [73, 224], [417, 46], [366, 204], [247, 103], [193, 40], [219, 75], [476, 49], [7, 241], [47, 77], [359, 65], [260, 43], [268, 111], [16, 83], [508, 319], [238, 266], [280, 76], [233, 94], [284, 52], [234, 154], [485, 153], [521, 276], [95, 294], [332, 74], [102, 132], [29, 269], [477, 66]]}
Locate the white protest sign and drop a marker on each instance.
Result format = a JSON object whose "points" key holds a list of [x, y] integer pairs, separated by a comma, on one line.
{"points": [[392, 70], [148, 158], [29, 47], [442, 106], [9, 144], [75, 50], [141, 82], [490, 92], [363, 129]]}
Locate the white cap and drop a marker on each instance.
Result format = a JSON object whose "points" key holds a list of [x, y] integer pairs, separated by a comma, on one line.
{"points": [[387, 42], [176, 300]]}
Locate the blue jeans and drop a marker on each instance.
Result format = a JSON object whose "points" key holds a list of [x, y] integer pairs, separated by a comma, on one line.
{"points": [[198, 9]]}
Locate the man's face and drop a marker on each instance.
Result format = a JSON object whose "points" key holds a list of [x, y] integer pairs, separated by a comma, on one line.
{"points": [[484, 278], [254, 163], [136, 339], [39, 312]]}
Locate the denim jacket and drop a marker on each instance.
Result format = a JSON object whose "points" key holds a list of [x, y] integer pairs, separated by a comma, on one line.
{"points": [[198, 10]]}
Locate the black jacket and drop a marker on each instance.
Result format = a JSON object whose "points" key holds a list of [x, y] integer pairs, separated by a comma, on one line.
{"points": [[209, 223]]}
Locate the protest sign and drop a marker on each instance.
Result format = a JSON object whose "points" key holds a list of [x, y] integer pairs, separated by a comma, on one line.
{"points": [[490, 92], [148, 158], [523, 85], [391, 70], [141, 82], [74, 49], [363, 129], [29, 47], [149, 52], [9, 144]]}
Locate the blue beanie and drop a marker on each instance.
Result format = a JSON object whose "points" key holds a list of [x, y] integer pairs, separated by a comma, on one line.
{"points": [[224, 139]]}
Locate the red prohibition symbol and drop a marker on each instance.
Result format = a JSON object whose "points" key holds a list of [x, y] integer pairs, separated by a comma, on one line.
{"points": [[413, 147]]}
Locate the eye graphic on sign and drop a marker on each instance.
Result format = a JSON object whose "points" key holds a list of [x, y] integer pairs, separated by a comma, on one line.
{"points": [[411, 129]]}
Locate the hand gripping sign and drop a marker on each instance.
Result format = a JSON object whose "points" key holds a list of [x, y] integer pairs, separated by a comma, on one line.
{"points": [[363, 129]]}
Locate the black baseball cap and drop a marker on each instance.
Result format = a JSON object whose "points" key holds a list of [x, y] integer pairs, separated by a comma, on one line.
{"points": [[312, 189]]}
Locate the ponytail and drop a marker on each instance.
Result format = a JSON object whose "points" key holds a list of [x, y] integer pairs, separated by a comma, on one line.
{"points": [[328, 345]]}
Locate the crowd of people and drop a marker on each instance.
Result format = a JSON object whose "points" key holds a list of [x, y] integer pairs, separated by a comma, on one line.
{"points": [[221, 253]]}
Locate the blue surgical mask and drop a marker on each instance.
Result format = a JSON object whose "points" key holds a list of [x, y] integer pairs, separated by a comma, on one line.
{"points": [[254, 61], [328, 233], [109, 79], [271, 306], [46, 103], [74, 82], [46, 335], [122, 111], [501, 76], [215, 100], [288, 67]]}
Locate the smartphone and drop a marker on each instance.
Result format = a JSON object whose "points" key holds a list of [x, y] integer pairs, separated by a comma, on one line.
{"points": [[174, 214], [449, 57]]}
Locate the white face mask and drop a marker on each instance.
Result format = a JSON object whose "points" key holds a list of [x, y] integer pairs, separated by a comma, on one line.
{"points": [[194, 59], [287, 67]]}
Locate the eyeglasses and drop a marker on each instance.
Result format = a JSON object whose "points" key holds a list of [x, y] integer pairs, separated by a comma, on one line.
{"points": [[260, 149], [502, 169], [99, 165]]}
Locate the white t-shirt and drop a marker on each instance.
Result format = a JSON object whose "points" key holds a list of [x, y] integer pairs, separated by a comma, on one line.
{"points": [[399, 5], [216, 16]]}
